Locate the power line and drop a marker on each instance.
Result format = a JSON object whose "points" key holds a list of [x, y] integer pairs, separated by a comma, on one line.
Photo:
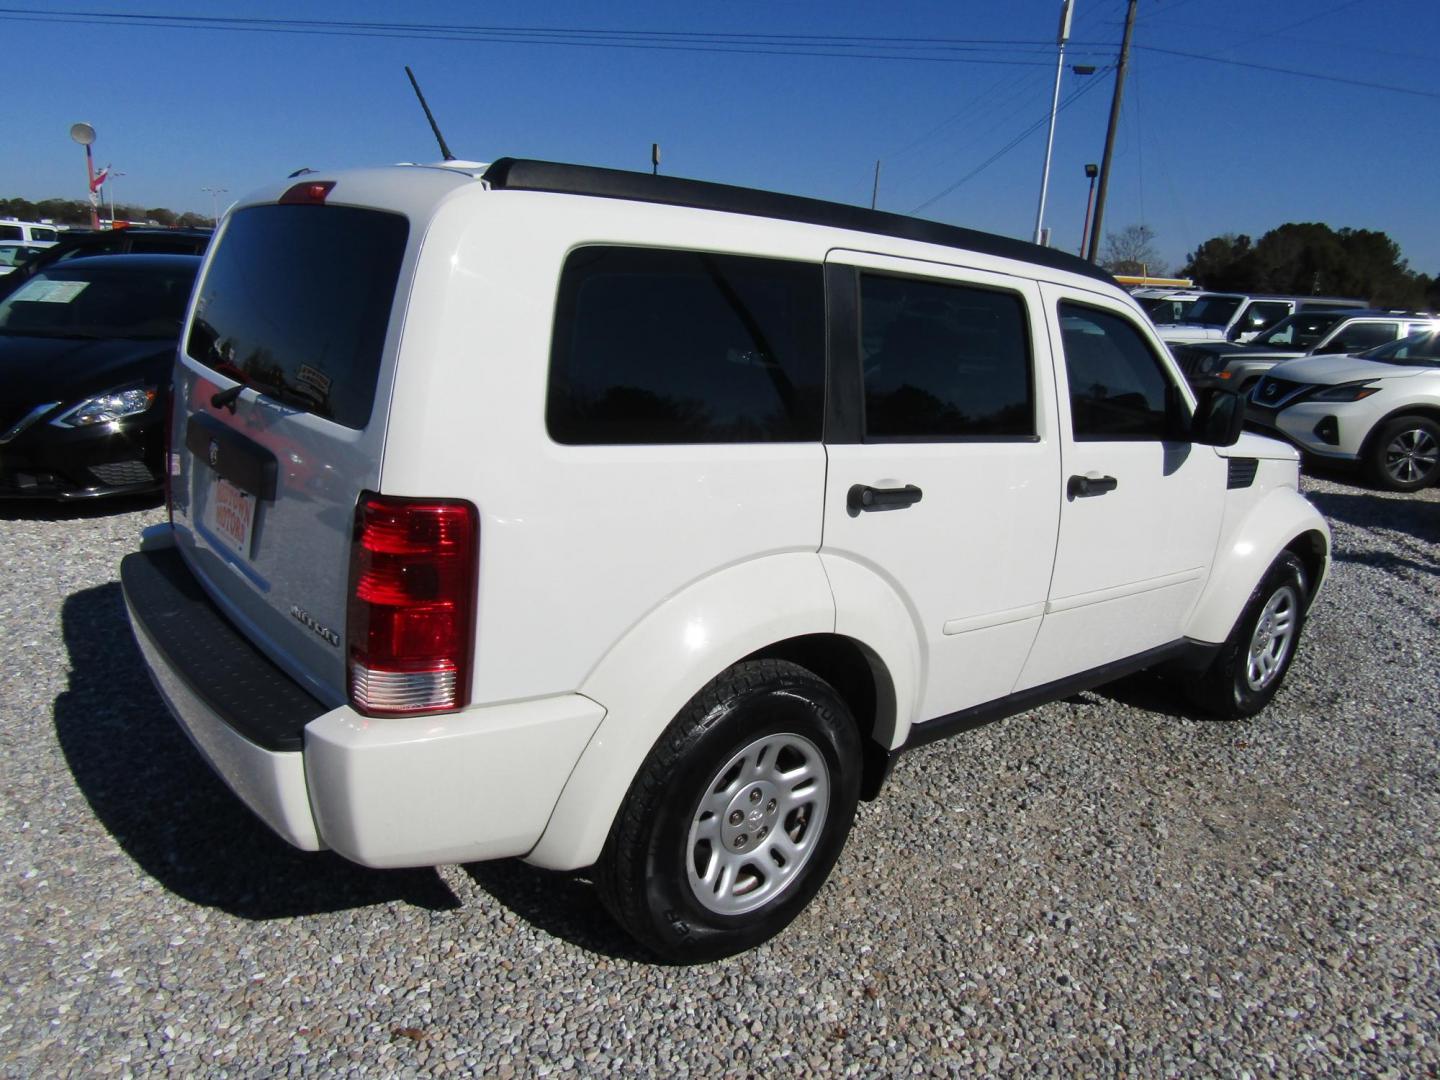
{"points": [[1008, 90], [1292, 71], [686, 41], [1089, 85]]}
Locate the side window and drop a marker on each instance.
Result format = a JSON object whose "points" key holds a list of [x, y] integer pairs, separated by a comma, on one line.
{"points": [[11, 232], [1118, 389], [1358, 336], [656, 346], [1264, 314], [944, 361]]}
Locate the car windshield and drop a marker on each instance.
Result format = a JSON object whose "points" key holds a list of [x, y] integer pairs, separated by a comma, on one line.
{"points": [[1417, 350], [1212, 311], [1166, 309], [1299, 331], [101, 299]]}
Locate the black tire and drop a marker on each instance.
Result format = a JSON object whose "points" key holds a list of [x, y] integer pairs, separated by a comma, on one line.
{"points": [[1404, 454], [658, 844], [1233, 687]]}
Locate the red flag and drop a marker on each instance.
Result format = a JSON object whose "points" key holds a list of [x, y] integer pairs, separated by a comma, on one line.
{"points": [[99, 179]]}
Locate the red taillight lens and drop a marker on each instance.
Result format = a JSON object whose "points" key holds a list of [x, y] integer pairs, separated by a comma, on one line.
{"points": [[411, 624], [311, 192]]}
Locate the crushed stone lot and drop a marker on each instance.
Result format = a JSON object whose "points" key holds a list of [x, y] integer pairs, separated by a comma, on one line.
{"points": [[1102, 886]]}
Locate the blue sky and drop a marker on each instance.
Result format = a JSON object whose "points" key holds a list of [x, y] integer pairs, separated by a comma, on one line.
{"points": [[1204, 147]]}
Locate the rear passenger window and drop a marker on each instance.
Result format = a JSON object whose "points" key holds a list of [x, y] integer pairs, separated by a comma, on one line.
{"points": [[686, 347], [1358, 336], [1118, 390], [944, 361]]}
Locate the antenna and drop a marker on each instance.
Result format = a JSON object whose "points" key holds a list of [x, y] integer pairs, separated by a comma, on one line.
{"points": [[444, 150]]}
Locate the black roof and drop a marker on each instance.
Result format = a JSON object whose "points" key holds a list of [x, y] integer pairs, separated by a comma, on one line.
{"points": [[515, 174]]}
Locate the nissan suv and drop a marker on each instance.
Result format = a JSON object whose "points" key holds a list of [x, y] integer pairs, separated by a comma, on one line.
{"points": [[634, 523]]}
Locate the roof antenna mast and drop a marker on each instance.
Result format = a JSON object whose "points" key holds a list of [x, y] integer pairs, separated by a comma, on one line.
{"points": [[444, 150]]}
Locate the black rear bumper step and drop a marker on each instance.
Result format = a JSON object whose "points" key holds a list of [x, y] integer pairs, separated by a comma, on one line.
{"points": [[217, 662]]}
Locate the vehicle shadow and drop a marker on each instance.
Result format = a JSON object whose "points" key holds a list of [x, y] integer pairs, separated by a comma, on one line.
{"points": [[562, 904], [165, 807], [47, 510], [1152, 691], [1410, 515]]}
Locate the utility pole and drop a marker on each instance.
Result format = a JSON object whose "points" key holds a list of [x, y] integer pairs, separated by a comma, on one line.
{"points": [[1060, 39], [1110, 132], [875, 191]]}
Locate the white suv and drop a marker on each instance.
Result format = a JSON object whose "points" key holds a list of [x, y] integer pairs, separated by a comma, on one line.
{"points": [[613, 520]]}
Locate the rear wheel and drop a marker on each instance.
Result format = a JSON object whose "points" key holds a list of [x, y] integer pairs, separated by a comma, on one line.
{"points": [[737, 816], [1404, 455], [1252, 663]]}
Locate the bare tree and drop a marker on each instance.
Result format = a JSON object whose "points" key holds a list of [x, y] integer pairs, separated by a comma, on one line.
{"points": [[1132, 251]]}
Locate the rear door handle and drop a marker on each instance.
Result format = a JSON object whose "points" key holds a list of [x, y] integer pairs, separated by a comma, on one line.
{"points": [[863, 497], [1082, 487]]}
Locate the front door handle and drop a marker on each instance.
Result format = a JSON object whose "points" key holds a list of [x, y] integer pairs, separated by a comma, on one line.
{"points": [[1082, 487], [863, 497]]}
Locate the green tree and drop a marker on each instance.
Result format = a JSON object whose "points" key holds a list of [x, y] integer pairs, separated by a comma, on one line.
{"points": [[1311, 258], [1224, 262]]}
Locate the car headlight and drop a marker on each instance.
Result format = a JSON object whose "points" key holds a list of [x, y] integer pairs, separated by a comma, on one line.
{"points": [[107, 408], [1355, 391]]}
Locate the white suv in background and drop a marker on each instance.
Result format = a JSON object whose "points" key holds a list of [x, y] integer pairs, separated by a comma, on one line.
{"points": [[613, 520], [1241, 317], [1379, 409]]}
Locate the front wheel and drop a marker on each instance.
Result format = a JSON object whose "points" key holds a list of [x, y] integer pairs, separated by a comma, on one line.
{"points": [[737, 815], [1252, 663], [1405, 454]]}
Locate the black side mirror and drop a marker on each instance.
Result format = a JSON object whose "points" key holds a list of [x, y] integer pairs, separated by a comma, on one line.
{"points": [[1219, 418]]}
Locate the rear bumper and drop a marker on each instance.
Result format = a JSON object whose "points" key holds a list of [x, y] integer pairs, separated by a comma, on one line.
{"points": [[456, 787]]}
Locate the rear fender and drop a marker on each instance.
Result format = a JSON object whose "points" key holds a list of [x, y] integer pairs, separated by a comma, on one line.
{"points": [[658, 666], [1275, 522]]}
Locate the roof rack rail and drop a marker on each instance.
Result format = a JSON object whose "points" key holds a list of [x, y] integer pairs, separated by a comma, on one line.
{"points": [[516, 174]]}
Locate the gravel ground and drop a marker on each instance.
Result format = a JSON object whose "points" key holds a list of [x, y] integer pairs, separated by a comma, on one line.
{"points": [[1101, 886]]}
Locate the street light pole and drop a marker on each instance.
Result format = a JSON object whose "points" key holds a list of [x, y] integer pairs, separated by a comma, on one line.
{"points": [[1062, 37], [215, 193], [110, 182], [1091, 171]]}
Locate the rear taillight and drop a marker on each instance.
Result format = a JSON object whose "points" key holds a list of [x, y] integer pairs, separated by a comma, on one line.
{"points": [[410, 625]]}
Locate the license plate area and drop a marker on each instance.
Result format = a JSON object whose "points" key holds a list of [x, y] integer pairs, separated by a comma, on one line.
{"points": [[230, 515]]}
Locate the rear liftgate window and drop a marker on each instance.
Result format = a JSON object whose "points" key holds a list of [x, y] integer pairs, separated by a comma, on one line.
{"points": [[686, 347], [296, 303]]}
